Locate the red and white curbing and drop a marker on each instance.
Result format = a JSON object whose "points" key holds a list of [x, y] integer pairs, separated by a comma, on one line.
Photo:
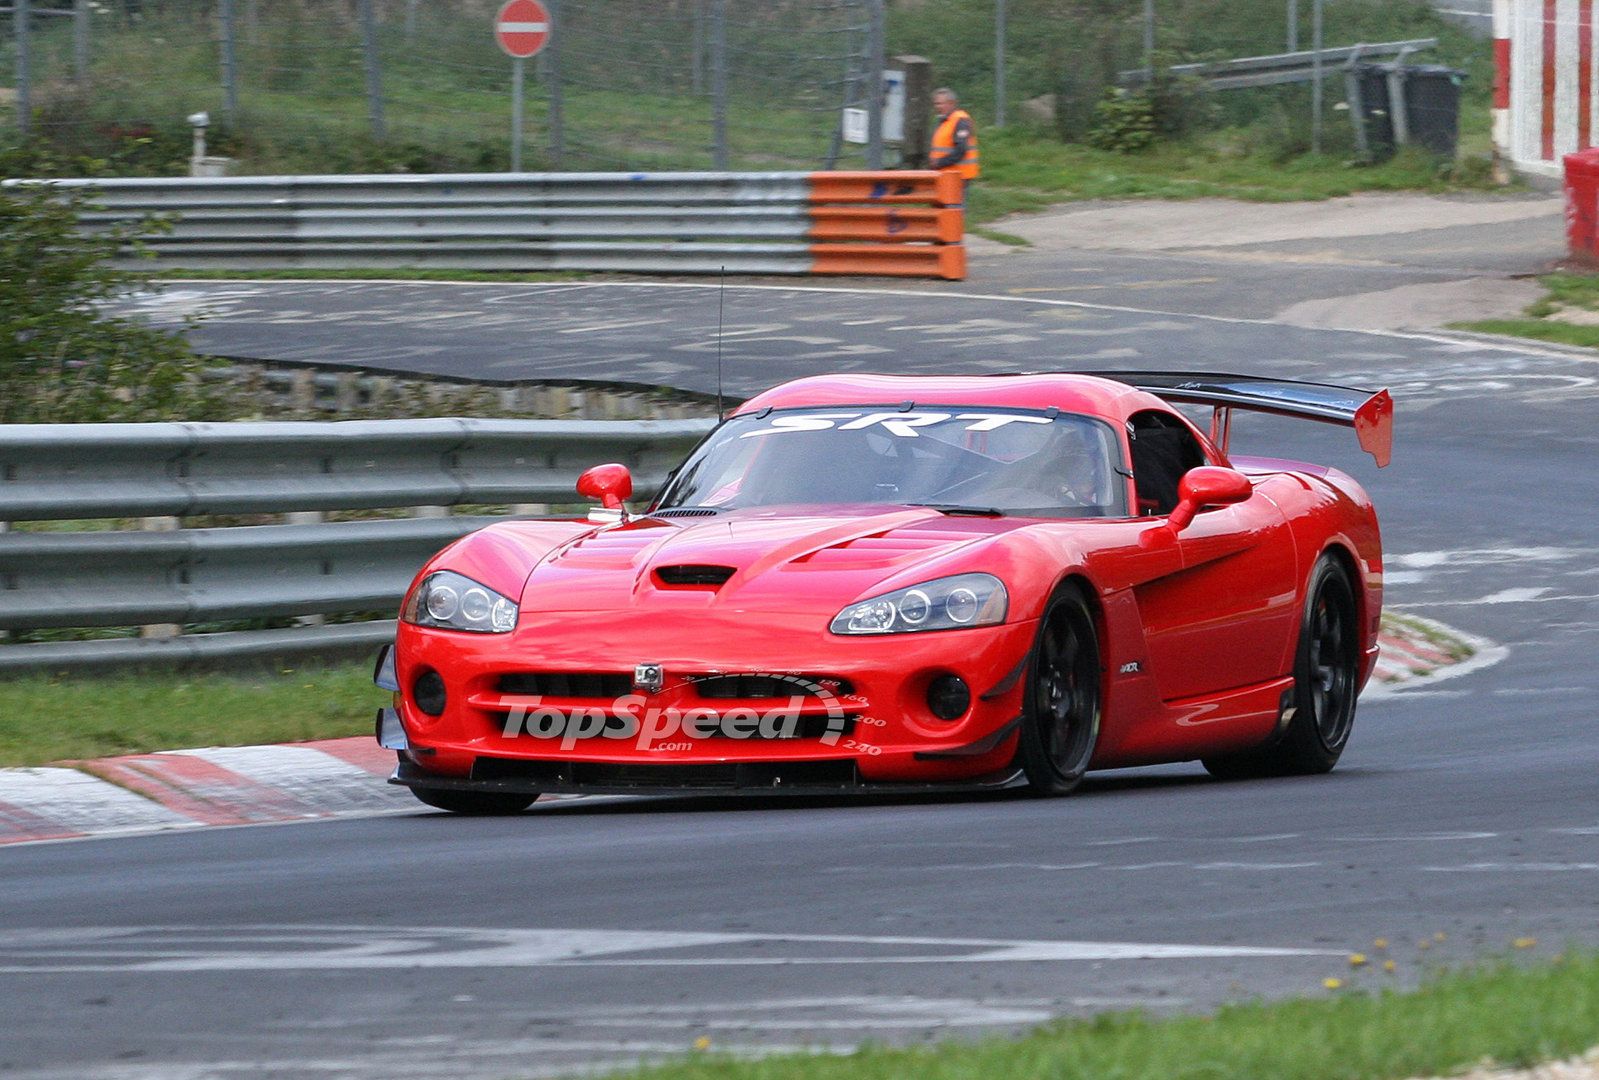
{"points": [[183, 789], [257, 785]]}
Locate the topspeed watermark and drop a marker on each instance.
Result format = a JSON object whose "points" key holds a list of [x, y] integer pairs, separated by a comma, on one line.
{"points": [[665, 718]]}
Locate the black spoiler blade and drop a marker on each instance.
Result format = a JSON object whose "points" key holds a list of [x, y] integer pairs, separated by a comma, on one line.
{"points": [[1369, 412]]}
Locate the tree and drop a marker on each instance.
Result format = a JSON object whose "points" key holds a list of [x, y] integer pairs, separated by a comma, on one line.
{"points": [[63, 356]]}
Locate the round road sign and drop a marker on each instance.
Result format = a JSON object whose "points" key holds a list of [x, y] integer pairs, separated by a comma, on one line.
{"points": [[522, 27]]}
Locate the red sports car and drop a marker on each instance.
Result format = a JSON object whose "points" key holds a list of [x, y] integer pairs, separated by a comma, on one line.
{"points": [[868, 582]]}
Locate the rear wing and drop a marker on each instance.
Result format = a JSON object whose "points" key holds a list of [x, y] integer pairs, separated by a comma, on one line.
{"points": [[1370, 413]]}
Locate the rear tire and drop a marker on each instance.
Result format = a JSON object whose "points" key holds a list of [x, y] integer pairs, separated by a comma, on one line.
{"points": [[1061, 706], [474, 803], [1326, 683]]}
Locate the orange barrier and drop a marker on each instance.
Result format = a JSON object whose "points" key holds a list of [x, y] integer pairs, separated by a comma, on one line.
{"points": [[900, 223]]}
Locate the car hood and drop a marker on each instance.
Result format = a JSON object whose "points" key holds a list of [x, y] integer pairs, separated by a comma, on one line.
{"points": [[757, 559]]}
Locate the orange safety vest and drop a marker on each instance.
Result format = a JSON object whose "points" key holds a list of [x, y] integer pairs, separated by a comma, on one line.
{"points": [[944, 141]]}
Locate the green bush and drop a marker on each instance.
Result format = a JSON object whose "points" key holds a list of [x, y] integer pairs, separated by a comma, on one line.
{"points": [[1123, 122], [63, 358]]}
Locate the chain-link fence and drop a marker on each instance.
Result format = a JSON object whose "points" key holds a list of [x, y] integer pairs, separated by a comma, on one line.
{"points": [[1051, 63], [306, 86], [334, 85]]}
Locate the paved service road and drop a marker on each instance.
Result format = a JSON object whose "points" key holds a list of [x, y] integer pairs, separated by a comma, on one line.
{"points": [[591, 933]]}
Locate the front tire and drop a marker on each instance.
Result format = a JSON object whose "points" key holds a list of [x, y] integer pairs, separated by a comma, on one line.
{"points": [[474, 803], [1061, 706], [1326, 683]]}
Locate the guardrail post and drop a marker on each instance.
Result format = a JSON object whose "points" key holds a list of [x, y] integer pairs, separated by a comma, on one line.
{"points": [[307, 517], [160, 631]]}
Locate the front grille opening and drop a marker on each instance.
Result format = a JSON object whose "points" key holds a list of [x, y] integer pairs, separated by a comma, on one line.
{"points": [[568, 684], [694, 574], [616, 729], [727, 687]]}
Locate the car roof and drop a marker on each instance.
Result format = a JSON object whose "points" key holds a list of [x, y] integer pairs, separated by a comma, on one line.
{"points": [[1083, 394]]}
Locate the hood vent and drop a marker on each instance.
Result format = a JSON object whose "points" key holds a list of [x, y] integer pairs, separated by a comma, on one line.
{"points": [[687, 512], [694, 574]]}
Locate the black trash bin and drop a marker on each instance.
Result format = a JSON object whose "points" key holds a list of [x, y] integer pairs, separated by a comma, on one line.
{"points": [[1374, 116], [1432, 107]]}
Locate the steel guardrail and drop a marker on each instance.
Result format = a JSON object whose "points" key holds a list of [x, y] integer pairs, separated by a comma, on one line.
{"points": [[1281, 68], [905, 223], [133, 473]]}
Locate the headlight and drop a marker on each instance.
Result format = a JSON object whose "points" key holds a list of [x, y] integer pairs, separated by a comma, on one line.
{"points": [[453, 602], [951, 603]]}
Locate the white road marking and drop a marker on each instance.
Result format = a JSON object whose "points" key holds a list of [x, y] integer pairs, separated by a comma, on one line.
{"points": [[1523, 868], [353, 948]]}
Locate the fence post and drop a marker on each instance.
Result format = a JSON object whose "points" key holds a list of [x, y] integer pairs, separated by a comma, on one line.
{"points": [[999, 64], [719, 84], [410, 19], [557, 98], [230, 63], [697, 50], [1293, 26], [1149, 42], [20, 15], [80, 41], [374, 69], [1316, 89], [874, 86]]}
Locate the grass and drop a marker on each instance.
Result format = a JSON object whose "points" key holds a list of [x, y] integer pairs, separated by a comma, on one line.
{"points": [[1546, 320], [53, 719], [1513, 1015]]}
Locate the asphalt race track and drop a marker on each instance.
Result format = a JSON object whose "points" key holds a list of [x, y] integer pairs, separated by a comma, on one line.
{"points": [[590, 933]]}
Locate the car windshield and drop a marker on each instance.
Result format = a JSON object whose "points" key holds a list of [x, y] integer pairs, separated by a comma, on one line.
{"points": [[957, 459]]}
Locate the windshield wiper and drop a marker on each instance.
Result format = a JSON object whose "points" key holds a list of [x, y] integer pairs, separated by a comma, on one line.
{"points": [[955, 510]]}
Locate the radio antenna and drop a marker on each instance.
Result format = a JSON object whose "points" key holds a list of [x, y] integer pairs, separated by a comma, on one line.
{"points": [[721, 294]]}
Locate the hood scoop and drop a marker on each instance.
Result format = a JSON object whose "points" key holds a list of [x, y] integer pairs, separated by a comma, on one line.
{"points": [[694, 574]]}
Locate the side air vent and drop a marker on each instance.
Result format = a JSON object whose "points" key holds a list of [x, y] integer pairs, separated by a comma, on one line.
{"points": [[687, 512], [694, 574]]}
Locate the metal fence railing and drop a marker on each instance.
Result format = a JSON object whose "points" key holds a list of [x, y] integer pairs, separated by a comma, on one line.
{"points": [[896, 222], [148, 480]]}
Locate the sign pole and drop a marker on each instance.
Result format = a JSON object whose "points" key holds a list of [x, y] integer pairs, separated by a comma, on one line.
{"points": [[523, 28], [518, 72]]}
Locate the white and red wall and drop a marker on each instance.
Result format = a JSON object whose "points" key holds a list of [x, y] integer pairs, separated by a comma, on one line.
{"points": [[1546, 99]]}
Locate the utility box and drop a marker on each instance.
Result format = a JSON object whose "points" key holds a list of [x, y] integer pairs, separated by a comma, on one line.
{"points": [[1582, 206]]}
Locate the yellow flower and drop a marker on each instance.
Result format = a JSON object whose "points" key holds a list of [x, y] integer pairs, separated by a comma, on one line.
{"points": [[1525, 942], [1357, 959], [1332, 984], [1380, 943], [702, 1043], [1388, 966]]}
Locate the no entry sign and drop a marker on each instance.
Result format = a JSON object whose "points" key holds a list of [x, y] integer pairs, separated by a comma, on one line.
{"points": [[522, 28]]}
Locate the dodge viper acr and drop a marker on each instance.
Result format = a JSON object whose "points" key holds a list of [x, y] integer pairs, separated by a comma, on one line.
{"points": [[868, 582]]}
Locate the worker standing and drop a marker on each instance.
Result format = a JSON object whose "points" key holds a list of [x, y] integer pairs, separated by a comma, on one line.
{"points": [[955, 139]]}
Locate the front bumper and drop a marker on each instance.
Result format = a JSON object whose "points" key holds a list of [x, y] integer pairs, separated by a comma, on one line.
{"points": [[891, 735]]}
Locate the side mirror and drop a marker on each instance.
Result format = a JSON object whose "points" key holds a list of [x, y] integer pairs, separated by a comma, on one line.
{"points": [[1208, 485], [610, 484]]}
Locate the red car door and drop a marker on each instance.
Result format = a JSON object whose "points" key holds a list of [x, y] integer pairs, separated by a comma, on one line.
{"points": [[1221, 621]]}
